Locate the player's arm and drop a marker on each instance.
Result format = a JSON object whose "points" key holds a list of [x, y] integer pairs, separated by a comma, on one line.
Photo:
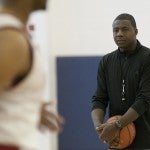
{"points": [[14, 56], [50, 119]]}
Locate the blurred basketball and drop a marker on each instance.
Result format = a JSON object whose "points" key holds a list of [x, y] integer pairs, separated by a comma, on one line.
{"points": [[126, 135]]}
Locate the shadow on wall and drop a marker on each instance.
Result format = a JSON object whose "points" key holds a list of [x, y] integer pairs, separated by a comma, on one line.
{"points": [[76, 77]]}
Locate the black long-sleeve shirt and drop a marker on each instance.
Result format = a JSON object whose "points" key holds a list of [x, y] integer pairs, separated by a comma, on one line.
{"points": [[123, 81]]}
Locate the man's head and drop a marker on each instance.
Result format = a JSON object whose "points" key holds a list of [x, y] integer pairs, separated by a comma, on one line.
{"points": [[125, 31], [39, 4]]}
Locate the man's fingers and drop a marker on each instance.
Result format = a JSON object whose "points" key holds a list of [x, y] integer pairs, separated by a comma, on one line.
{"points": [[114, 143], [98, 128]]}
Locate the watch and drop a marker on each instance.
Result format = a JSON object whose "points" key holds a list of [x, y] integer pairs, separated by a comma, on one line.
{"points": [[118, 124]]}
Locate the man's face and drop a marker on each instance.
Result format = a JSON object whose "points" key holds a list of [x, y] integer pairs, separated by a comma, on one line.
{"points": [[124, 34]]}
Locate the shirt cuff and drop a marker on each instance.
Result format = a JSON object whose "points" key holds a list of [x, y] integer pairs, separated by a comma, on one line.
{"points": [[98, 105]]}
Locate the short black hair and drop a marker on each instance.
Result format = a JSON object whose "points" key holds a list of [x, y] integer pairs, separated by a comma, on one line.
{"points": [[126, 16]]}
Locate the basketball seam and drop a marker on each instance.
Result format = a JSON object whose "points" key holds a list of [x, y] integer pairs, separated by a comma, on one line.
{"points": [[129, 134]]}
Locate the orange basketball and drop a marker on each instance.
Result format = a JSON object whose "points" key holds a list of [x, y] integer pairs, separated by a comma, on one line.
{"points": [[126, 135]]}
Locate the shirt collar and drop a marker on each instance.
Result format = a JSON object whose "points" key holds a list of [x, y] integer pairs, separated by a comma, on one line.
{"points": [[138, 46]]}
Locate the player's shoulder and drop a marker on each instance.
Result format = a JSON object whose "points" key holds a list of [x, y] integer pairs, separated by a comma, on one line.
{"points": [[13, 38], [13, 41], [14, 53]]}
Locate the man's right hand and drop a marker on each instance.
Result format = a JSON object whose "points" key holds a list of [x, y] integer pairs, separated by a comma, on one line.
{"points": [[108, 133]]}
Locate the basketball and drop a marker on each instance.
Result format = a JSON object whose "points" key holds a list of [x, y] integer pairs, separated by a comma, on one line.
{"points": [[126, 135]]}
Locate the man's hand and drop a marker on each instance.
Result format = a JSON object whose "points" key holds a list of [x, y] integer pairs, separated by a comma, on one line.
{"points": [[49, 119], [115, 143], [108, 133]]}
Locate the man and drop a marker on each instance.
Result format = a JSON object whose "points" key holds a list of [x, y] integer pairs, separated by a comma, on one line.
{"points": [[21, 80], [123, 82]]}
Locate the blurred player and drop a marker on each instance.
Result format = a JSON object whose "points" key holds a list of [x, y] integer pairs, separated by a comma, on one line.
{"points": [[21, 80]]}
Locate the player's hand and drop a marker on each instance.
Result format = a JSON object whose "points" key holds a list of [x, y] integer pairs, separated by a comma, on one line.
{"points": [[49, 119]]}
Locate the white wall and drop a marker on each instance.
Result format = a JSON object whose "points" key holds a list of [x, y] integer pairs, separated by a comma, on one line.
{"points": [[84, 26]]}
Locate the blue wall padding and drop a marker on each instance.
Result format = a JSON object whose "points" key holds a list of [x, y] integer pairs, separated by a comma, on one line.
{"points": [[76, 83]]}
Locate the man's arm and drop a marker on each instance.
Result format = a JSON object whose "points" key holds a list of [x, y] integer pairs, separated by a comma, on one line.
{"points": [[14, 56], [97, 117], [142, 101], [100, 98]]}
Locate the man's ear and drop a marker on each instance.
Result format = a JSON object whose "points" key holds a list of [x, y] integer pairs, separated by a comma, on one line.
{"points": [[136, 31]]}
